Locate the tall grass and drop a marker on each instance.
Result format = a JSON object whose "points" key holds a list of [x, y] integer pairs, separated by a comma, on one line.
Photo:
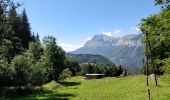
{"points": [[125, 88]]}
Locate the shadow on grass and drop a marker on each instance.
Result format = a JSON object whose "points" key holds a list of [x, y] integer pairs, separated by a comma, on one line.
{"points": [[70, 83], [52, 96], [22, 94]]}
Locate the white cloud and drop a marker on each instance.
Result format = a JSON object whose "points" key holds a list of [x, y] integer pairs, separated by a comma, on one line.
{"points": [[108, 33], [135, 29], [117, 31], [88, 39], [113, 33], [69, 47]]}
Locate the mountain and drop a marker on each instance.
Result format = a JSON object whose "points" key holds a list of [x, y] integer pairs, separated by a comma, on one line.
{"points": [[126, 51], [90, 58]]}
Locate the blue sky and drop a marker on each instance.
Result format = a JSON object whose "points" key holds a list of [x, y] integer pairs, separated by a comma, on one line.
{"points": [[73, 22]]}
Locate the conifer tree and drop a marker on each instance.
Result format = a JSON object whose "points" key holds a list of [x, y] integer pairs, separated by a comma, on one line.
{"points": [[26, 30]]}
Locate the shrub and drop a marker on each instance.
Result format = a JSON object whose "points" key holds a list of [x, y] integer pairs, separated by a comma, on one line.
{"points": [[65, 74], [21, 66], [40, 72], [6, 73]]}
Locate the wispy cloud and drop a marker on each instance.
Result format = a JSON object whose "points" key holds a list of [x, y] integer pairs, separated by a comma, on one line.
{"points": [[117, 31], [108, 33], [135, 29], [88, 39], [113, 33], [69, 47]]}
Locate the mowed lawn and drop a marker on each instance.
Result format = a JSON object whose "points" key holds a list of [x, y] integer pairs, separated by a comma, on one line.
{"points": [[125, 88]]}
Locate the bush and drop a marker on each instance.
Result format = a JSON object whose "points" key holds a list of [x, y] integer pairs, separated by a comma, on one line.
{"points": [[53, 85], [21, 66], [6, 73], [65, 74], [40, 72]]}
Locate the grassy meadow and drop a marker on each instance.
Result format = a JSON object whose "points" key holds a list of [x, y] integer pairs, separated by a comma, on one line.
{"points": [[76, 88]]}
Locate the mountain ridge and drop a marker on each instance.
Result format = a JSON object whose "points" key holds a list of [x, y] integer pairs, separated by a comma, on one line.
{"points": [[90, 58], [126, 51]]}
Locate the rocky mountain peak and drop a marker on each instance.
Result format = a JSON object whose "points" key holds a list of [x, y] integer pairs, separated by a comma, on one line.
{"points": [[126, 51]]}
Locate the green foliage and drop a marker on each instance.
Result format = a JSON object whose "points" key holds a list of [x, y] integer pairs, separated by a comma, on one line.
{"points": [[40, 67], [66, 73], [158, 34], [31, 68], [55, 55], [166, 63], [159, 70], [162, 2], [6, 73], [35, 51], [53, 85], [110, 71], [40, 71], [25, 30], [73, 66], [22, 61], [6, 49], [22, 70], [90, 58]]}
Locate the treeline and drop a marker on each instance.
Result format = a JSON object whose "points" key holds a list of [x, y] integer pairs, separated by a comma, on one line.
{"points": [[74, 69], [109, 71], [23, 59], [156, 30]]}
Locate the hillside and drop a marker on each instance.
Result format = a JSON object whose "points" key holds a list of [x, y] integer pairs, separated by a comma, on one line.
{"points": [[90, 58], [126, 51]]}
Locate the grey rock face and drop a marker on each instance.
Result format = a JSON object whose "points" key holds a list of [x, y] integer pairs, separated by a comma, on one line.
{"points": [[126, 51]]}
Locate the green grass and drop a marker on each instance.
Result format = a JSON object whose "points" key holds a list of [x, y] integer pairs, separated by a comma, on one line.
{"points": [[126, 88]]}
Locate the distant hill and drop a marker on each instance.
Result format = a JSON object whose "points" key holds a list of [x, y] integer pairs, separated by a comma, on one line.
{"points": [[126, 51], [90, 58]]}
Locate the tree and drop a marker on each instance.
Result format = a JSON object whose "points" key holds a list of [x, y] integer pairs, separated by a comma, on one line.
{"points": [[55, 55], [73, 66], [25, 30], [119, 70], [35, 51], [2, 21], [111, 71], [83, 69], [66, 73], [40, 67], [22, 70], [158, 34], [10, 32], [10, 45], [40, 72], [6, 73], [18, 65], [161, 2], [6, 48]]}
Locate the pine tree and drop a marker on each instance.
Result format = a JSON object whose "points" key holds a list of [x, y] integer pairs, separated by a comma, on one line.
{"points": [[37, 38], [26, 30], [11, 44]]}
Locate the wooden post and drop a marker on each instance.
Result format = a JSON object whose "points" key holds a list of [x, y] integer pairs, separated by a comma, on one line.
{"points": [[149, 95], [147, 64], [147, 82]]}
